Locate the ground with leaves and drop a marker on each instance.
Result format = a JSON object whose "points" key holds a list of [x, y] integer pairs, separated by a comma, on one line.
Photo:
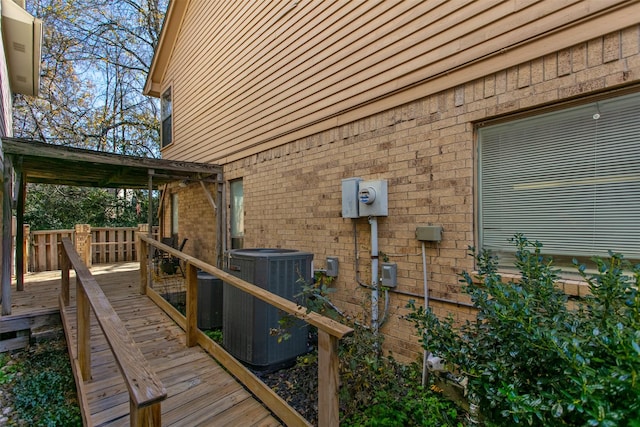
{"points": [[37, 386]]}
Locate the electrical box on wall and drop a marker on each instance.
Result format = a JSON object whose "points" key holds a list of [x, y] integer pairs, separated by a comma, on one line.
{"points": [[389, 274], [373, 198], [350, 197], [429, 233], [332, 266]]}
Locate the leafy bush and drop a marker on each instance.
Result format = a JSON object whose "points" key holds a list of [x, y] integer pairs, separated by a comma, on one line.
{"points": [[531, 358], [375, 389], [45, 393]]}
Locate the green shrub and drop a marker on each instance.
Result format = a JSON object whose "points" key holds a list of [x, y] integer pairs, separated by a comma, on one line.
{"points": [[45, 393], [375, 389], [530, 358]]}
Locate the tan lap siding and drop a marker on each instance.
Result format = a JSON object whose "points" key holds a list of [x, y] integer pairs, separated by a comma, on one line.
{"points": [[270, 68]]}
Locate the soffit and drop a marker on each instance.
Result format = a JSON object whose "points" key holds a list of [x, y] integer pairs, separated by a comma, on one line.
{"points": [[168, 36], [61, 165]]}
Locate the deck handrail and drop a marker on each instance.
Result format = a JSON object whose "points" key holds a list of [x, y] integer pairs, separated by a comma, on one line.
{"points": [[329, 330], [145, 388]]}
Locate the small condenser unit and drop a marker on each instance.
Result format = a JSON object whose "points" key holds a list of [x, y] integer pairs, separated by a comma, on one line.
{"points": [[209, 301], [248, 321]]}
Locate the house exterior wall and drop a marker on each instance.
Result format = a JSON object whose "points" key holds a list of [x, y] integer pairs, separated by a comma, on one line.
{"points": [[270, 73], [196, 220], [6, 118], [426, 151], [421, 140]]}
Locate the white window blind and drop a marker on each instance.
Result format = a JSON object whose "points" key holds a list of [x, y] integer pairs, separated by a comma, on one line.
{"points": [[569, 178]]}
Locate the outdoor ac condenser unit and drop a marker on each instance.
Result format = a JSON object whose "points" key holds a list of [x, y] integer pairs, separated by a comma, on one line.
{"points": [[248, 321]]}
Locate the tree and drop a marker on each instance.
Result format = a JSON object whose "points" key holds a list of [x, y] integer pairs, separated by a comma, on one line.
{"points": [[96, 57], [61, 207]]}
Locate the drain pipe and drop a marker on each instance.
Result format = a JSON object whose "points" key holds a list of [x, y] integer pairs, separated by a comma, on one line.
{"points": [[425, 355], [373, 221]]}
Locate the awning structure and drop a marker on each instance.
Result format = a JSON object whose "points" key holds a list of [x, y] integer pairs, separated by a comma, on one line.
{"points": [[37, 162], [56, 164]]}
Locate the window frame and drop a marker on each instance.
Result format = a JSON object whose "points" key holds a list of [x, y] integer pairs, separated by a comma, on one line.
{"points": [[166, 116], [175, 214], [563, 260], [236, 214]]}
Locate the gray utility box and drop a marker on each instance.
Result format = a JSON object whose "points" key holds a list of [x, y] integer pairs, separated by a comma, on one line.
{"points": [[209, 301], [248, 321]]}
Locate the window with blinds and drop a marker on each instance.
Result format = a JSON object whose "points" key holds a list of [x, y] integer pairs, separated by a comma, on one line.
{"points": [[166, 110], [569, 179]]}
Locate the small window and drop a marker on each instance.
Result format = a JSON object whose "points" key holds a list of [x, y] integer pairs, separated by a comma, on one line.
{"points": [[237, 214], [569, 179], [166, 108], [174, 215]]}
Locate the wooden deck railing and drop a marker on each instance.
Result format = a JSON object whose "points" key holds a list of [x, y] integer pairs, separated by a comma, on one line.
{"points": [[329, 332], [44, 248], [107, 244], [145, 389], [113, 244]]}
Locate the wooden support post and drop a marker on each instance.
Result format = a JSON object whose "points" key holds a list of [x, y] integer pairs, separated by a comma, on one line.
{"points": [[84, 331], [5, 251], [148, 416], [65, 267], [83, 242], [22, 193], [328, 380], [143, 257], [192, 305], [26, 233]]}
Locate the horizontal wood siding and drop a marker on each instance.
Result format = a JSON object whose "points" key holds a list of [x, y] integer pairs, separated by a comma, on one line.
{"points": [[246, 73]]}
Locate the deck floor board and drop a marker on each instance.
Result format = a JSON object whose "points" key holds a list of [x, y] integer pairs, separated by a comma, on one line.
{"points": [[199, 390]]}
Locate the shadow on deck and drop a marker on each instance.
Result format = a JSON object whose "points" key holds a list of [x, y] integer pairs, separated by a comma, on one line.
{"points": [[199, 390]]}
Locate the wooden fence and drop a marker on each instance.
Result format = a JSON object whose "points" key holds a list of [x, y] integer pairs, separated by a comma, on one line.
{"points": [[108, 245]]}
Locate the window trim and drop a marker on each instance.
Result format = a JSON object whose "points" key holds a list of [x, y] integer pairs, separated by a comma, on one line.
{"points": [[513, 117], [236, 241], [166, 93]]}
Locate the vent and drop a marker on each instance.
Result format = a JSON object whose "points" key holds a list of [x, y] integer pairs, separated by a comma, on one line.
{"points": [[19, 47], [248, 321], [22, 34]]}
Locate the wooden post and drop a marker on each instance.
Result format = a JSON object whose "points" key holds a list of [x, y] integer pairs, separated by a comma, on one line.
{"points": [[27, 252], [65, 267], [22, 194], [143, 255], [5, 251], [83, 243], [84, 331], [149, 416], [192, 305], [328, 380]]}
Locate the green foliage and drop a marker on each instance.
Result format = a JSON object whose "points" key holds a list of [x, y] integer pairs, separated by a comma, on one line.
{"points": [[378, 391], [531, 358], [412, 407], [45, 392], [375, 390], [315, 295], [50, 207], [7, 369], [215, 335]]}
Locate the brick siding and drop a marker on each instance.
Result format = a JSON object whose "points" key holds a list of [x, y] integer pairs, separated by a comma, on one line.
{"points": [[426, 150]]}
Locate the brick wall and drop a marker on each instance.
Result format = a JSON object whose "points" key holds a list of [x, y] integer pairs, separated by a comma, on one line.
{"points": [[196, 220], [425, 150]]}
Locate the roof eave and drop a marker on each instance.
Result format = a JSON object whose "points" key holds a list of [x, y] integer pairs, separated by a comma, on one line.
{"points": [[168, 37]]}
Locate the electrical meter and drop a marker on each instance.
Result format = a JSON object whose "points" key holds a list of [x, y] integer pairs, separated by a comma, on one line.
{"points": [[372, 198]]}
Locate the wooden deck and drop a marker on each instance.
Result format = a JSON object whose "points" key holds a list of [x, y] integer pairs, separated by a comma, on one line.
{"points": [[199, 391]]}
